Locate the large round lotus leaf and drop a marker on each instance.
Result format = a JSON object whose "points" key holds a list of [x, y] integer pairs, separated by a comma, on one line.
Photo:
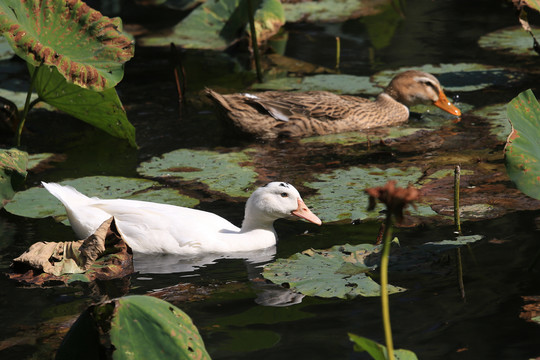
{"points": [[216, 24], [341, 193], [36, 202], [459, 77], [102, 109], [87, 48], [337, 83], [522, 151], [223, 172], [351, 138], [513, 40], [144, 327], [340, 271], [326, 10], [496, 115]]}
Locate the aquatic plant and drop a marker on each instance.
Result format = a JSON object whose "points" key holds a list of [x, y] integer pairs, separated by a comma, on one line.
{"points": [[75, 57], [395, 199], [133, 327], [522, 150]]}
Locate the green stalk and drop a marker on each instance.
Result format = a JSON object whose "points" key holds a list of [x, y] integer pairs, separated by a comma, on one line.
{"points": [[338, 52], [384, 286], [26, 106], [457, 223], [254, 44]]}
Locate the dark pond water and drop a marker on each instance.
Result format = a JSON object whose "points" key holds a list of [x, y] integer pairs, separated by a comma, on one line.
{"points": [[234, 319]]}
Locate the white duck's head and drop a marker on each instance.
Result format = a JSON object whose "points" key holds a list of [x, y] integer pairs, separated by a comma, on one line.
{"points": [[274, 201], [414, 87]]}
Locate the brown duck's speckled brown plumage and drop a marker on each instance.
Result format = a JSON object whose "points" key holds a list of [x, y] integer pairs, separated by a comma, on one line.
{"points": [[270, 114]]}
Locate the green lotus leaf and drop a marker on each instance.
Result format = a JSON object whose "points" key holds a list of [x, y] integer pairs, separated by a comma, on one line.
{"points": [[36, 202], [138, 327], [459, 77], [223, 172], [340, 271], [378, 351], [513, 40], [87, 48], [216, 24], [341, 193], [101, 109], [13, 163], [337, 83], [522, 151]]}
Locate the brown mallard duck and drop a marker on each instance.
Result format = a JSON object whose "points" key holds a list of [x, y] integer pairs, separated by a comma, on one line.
{"points": [[270, 114]]}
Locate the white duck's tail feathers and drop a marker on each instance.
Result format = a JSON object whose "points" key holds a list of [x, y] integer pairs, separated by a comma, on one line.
{"points": [[66, 194]]}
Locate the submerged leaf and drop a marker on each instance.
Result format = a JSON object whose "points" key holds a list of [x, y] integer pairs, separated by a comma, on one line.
{"points": [[513, 40], [87, 48], [522, 151]]}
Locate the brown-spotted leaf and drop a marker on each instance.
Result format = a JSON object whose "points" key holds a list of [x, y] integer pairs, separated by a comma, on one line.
{"points": [[88, 49]]}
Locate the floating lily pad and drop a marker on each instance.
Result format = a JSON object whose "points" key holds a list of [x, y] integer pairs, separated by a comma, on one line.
{"points": [[6, 52], [496, 115], [88, 49], [217, 23], [513, 40], [522, 151], [439, 174], [341, 193], [327, 10], [459, 77], [15, 90], [224, 172], [340, 271], [351, 138], [38, 203], [337, 83]]}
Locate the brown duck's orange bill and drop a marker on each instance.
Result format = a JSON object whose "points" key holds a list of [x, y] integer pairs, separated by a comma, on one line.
{"points": [[303, 212], [444, 104]]}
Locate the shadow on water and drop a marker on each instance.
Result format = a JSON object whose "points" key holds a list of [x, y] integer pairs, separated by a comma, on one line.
{"points": [[226, 299]]}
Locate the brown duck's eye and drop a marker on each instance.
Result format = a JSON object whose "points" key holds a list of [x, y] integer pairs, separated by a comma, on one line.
{"points": [[284, 194]]}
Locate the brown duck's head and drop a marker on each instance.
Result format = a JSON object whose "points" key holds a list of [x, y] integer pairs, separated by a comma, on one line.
{"points": [[414, 87]]}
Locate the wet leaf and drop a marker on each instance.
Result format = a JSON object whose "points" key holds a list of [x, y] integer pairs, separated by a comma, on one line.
{"points": [[88, 49], [102, 256], [38, 203], [496, 115], [513, 40], [522, 151], [13, 165], [102, 109], [6, 52], [341, 271], [216, 25], [341, 192], [223, 172], [459, 77], [378, 351]]}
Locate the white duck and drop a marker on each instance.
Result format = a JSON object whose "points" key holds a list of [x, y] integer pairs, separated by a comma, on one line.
{"points": [[160, 228]]}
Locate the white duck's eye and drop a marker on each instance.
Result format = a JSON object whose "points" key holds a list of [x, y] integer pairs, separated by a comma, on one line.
{"points": [[284, 194]]}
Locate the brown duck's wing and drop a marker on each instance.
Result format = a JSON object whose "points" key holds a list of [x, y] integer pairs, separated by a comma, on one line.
{"points": [[314, 104]]}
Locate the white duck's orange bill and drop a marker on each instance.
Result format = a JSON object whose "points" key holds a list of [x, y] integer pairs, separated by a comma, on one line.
{"points": [[303, 212], [446, 105]]}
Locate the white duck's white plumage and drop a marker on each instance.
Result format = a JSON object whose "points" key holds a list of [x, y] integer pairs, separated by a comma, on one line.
{"points": [[160, 228]]}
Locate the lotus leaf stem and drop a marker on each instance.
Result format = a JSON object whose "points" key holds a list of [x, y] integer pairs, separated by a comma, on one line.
{"points": [[254, 44], [384, 286], [27, 105]]}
